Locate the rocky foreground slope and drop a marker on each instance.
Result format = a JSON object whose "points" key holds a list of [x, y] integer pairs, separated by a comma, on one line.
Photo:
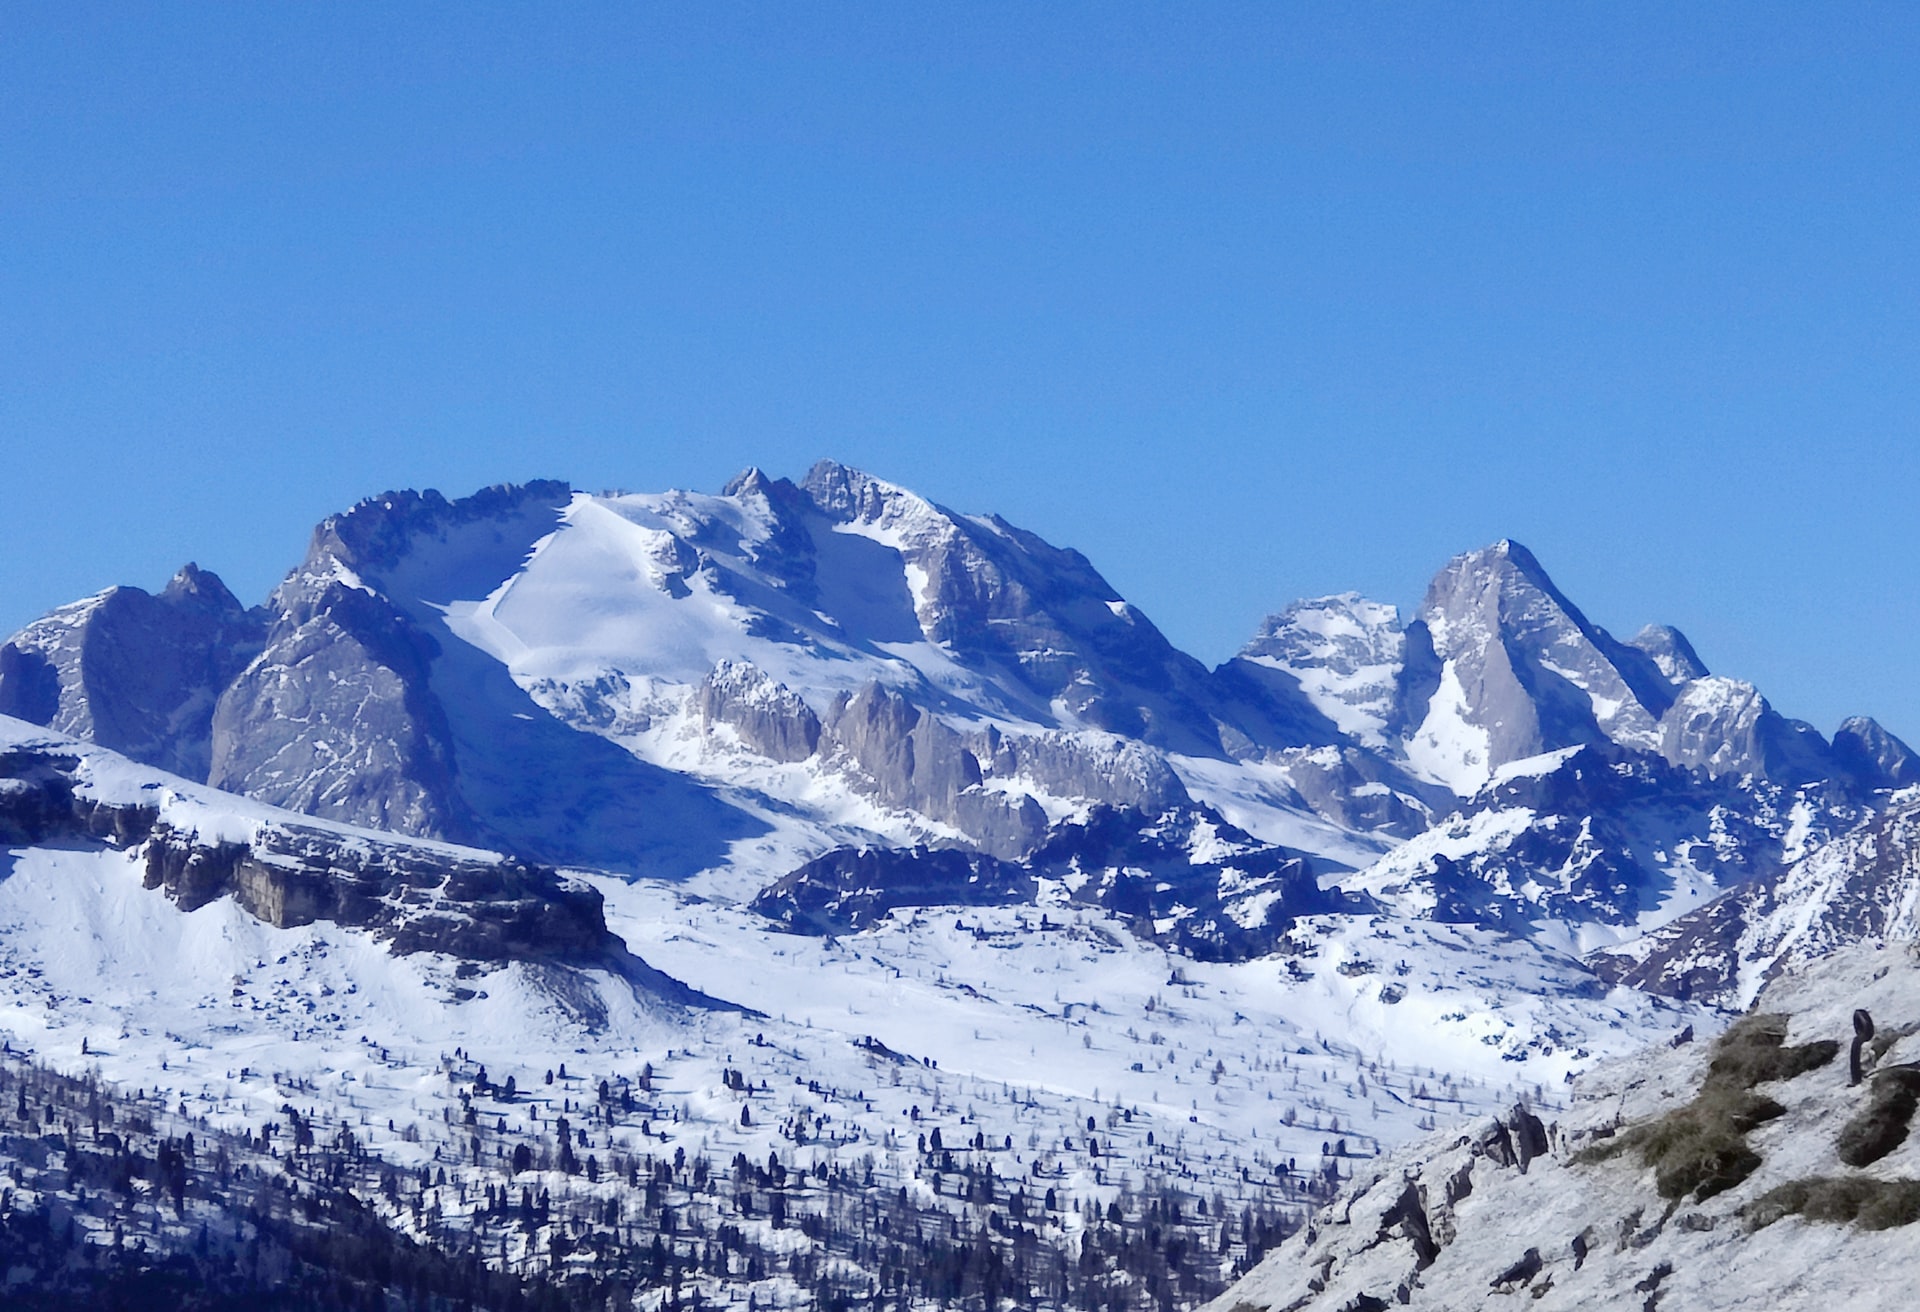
{"points": [[1750, 1171]]}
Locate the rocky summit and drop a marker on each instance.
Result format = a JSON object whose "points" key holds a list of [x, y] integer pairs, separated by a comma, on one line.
{"points": [[807, 894]]}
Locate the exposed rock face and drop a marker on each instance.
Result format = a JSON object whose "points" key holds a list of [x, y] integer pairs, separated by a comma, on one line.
{"points": [[132, 671], [849, 889], [1672, 654], [39, 804], [1874, 757], [364, 708], [1523, 672], [472, 906], [1637, 1187], [478, 910], [907, 758], [1864, 885], [1387, 1227], [1499, 667], [1030, 615], [1111, 770], [335, 717], [1725, 726], [770, 718], [1362, 790], [1185, 878]]}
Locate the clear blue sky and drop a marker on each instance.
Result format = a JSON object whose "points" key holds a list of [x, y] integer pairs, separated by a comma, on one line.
{"points": [[1244, 302]]}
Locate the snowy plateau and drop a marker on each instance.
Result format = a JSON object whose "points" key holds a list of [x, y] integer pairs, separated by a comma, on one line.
{"points": [[810, 896]]}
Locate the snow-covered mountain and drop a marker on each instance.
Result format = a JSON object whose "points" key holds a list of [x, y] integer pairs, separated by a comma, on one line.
{"points": [[892, 670], [133, 671], [785, 674], [1863, 885], [829, 781]]}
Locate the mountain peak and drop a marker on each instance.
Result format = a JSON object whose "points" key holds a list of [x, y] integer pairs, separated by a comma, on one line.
{"points": [[1874, 756], [750, 481], [1501, 556], [378, 530], [1671, 652], [1530, 673], [843, 492], [200, 587], [1346, 652]]}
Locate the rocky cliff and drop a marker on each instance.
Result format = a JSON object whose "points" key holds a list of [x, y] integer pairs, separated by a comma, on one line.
{"points": [[469, 905]]}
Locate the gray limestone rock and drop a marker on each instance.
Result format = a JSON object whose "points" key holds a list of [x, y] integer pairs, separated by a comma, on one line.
{"points": [[1874, 758], [1115, 771], [1671, 652], [335, 717], [1030, 615], [1008, 681], [469, 905], [907, 758], [1533, 674], [1530, 674], [1724, 726], [317, 702], [770, 719], [364, 708], [134, 671]]}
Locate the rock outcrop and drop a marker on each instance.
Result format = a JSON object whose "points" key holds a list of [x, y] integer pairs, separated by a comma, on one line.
{"points": [[134, 671], [849, 889], [1677, 1178], [473, 906], [1184, 878]]}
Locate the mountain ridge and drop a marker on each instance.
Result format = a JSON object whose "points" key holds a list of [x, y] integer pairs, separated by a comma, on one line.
{"points": [[649, 682]]}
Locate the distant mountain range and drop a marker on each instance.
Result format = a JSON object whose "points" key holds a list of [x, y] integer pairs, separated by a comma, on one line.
{"points": [[655, 683]]}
